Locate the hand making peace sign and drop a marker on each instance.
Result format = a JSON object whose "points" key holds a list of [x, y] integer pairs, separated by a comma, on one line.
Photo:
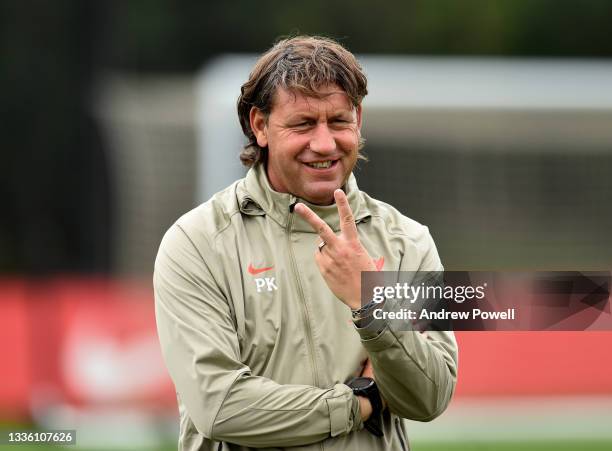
{"points": [[341, 258]]}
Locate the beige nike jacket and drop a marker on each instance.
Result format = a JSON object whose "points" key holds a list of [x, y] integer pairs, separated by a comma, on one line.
{"points": [[257, 345]]}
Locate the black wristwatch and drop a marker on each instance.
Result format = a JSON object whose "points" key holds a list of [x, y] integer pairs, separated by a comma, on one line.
{"points": [[366, 386]]}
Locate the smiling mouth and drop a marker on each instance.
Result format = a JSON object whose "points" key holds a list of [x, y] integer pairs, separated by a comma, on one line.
{"points": [[322, 164]]}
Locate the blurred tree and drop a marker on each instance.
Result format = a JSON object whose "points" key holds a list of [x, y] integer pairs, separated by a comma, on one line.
{"points": [[163, 35], [57, 211], [56, 195]]}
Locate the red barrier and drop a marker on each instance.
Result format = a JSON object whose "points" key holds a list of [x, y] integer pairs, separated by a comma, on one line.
{"points": [[80, 342], [534, 363], [93, 342], [15, 368]]}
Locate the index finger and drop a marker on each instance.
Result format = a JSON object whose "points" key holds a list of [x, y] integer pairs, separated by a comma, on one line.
{"points": [[317, 224], [347, 221]]}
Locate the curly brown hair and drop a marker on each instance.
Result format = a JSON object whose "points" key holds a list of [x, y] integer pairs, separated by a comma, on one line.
{"points": [[302, 63]]}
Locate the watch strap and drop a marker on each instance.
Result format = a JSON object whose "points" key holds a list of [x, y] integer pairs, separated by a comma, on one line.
{"points": [[374, 423]]}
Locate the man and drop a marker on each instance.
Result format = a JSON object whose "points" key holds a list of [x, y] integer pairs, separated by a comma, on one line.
{"points": [[258, 290]]}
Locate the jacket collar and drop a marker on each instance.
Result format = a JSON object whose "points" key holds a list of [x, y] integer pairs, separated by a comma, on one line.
{"points": [[256, 197]]}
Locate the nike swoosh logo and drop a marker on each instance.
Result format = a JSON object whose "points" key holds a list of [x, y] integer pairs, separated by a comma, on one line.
{"points": [[256, 271], [379, 263]]}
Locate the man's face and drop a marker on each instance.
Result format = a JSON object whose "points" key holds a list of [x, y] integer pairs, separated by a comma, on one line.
{"points": [[312, 142]]}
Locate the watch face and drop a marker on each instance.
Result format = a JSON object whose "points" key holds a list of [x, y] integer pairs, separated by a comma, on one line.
{"points": [[361, 382]]}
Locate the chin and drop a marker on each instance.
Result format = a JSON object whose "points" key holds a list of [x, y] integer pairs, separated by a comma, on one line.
{"points": [[320, 197]]}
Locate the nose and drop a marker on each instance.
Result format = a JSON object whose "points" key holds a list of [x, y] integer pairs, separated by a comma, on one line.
{"points": [[322, 140]]}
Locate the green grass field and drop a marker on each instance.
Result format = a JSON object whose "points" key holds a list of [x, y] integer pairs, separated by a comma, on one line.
{"points": [[429, 446], [516, 446]]}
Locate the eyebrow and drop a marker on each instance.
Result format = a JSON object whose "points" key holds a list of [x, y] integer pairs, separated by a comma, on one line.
{"points": [[310, 115]]}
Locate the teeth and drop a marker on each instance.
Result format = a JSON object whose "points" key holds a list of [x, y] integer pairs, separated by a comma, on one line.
{"points": [[320, 164]]}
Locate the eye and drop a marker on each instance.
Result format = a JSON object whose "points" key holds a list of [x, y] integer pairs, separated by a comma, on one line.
{"points": [[341, 121], [303, 124]]}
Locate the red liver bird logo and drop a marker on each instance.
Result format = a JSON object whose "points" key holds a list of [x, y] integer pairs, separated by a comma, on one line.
{"points": [[379, 263]]}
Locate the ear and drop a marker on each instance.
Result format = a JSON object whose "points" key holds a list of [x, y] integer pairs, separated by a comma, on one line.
{"points": [[359, 118], [259, 126]]}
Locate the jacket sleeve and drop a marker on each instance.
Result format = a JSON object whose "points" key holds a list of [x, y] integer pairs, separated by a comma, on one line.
{"points": [[224, 400], [416, 373]]}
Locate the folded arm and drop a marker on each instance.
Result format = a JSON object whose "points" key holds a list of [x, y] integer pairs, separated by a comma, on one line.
{"points": [[224, 400]]}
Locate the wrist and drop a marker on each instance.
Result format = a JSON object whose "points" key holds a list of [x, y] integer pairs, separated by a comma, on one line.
{"points": [[354, 304], [365, 408], [360, 309], [364, 315]]}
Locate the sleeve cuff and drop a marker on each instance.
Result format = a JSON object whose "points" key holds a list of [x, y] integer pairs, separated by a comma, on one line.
{"points": [[378, 342], [374, 321], [378, 334], [344, 414]]}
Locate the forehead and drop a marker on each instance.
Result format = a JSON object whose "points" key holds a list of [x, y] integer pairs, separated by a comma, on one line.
{"points": [[328, 97]]}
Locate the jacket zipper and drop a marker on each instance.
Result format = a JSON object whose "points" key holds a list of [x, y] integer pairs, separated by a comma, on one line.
{"points": [[399, 434], [303, 299]]}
